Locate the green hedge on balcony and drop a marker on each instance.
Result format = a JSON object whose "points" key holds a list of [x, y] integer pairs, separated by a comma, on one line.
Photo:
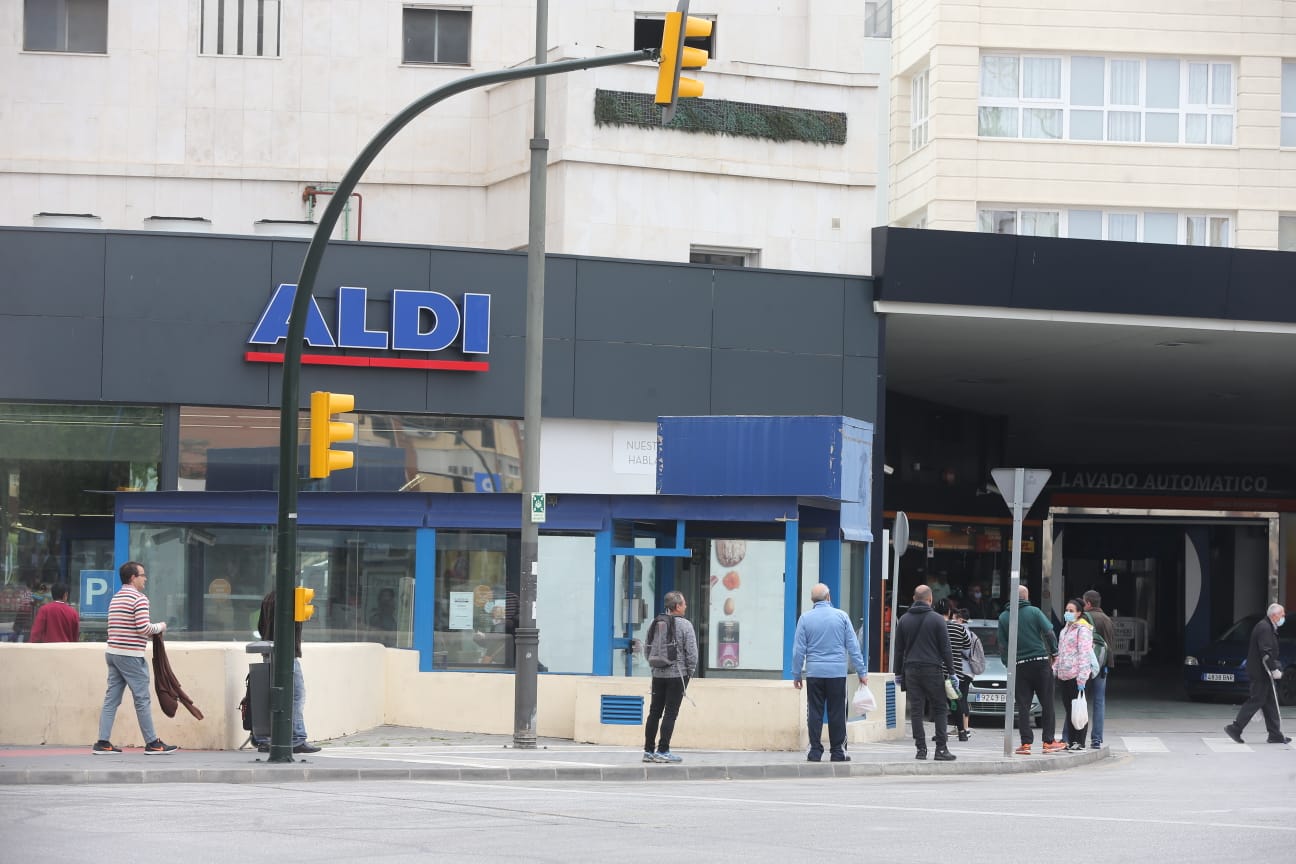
{"points": [[721, 117]]}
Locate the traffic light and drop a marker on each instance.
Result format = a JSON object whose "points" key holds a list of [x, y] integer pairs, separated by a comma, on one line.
{"points": [[302, 608], [675, 55], [324, 431]]}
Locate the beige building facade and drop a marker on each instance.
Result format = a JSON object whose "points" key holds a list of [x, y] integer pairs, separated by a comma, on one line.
{"points": [[239, 116], [1159, 122]]}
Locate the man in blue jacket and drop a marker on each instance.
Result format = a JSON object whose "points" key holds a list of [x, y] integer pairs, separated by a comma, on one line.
{"points": [[824, 639]]}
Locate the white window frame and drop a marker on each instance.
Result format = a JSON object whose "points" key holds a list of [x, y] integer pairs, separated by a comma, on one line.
{"points": [[219, 33], [749, 257], [919, 109], [1287, 232], [61, 35], [1287, 121], [877, 19], [1202, 221], [1218, 106], [420, 7]]}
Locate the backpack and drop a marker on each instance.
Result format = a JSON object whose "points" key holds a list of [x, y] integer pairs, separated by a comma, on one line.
{"points": [[975, 653], [661, 653], [1099, 646]]}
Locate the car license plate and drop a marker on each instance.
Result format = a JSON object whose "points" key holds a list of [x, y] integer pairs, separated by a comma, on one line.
{"points": [[1218, 676], [989, 697]]}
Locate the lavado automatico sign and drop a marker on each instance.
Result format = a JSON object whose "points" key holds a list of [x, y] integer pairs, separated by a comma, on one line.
{"points": [[422, 321]]}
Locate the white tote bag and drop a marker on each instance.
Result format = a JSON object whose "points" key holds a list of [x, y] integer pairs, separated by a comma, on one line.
{"points": [[1079, 712]]}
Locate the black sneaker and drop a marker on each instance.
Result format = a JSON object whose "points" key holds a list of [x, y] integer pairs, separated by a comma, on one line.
{"points": [[102, 748], [159, 747], [306, 747], [943, 755], [1233, 732], [1282, 739]]}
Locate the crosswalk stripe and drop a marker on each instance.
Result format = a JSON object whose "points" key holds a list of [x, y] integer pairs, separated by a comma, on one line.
{"points": [[1144, 744], [1226, 745]]}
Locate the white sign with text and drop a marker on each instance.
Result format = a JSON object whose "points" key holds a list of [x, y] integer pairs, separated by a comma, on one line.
{"points": [[634, 452]]}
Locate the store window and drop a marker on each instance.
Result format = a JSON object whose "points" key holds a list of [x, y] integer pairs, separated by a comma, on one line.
{"points": [[208, 582], [477, 600], [565, 603], [237, 449], [59, 468], [437, 36], [73, 26], [745, 606]]}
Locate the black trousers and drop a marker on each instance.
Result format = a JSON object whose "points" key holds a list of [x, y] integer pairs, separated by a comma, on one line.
{"points": [[1034, 678], [1260, 698], [830, 692], [1069, 690], [925, 691], [667, 693]]}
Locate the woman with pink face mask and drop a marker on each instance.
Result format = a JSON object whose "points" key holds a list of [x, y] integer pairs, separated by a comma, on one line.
{"points": [[1073, 666]]}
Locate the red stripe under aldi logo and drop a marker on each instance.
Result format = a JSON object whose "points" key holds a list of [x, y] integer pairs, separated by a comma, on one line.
{"points": [[421, 321]]}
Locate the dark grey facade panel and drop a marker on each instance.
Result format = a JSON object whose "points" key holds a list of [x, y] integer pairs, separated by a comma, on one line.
{"points": [[625, 381], [1263, 287], [186, 280], [860, 388], [51, 358], [1111, 277], [165, 319], [766, 382], [859, 325], [51, 274], [768, 310], [1120, 278], [621, 301], [159, 361]]}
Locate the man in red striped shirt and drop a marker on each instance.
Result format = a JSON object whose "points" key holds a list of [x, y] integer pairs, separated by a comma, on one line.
{"points": [[129, 632]]}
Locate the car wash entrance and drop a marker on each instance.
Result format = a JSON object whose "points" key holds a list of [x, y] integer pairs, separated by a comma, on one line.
{"points": [[1172, 580]]}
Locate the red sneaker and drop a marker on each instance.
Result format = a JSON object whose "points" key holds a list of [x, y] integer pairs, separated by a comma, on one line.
{"points": [[1054, 747]]}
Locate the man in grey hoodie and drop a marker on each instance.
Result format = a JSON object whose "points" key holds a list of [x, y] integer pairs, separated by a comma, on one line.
{"points": [[670, 681]]}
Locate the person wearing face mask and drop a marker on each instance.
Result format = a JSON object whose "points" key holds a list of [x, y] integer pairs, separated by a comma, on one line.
{"points": [[1073, 666], [1263, 667], [978, 604]]}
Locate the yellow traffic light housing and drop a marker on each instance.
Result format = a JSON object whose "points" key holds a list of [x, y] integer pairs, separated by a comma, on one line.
{"points": [[324, 431], [675, 55], [302, 608]]}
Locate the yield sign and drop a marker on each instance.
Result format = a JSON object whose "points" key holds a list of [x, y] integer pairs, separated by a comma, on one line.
{"points": [[1033, 480]]}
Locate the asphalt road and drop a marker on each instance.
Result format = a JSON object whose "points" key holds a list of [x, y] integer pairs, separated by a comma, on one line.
{"points": [[1180, 796]]}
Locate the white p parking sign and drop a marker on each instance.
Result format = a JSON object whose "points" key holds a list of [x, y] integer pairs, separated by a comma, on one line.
{"points": [[97, 590]]}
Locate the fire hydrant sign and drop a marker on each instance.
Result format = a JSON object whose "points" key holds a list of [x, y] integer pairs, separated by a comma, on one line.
{"points": [[537, 507]]}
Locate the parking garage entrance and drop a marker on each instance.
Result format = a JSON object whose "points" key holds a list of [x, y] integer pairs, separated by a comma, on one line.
{"points": [[1172, 580]]}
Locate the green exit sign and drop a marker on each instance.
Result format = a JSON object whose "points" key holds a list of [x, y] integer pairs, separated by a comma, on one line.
{"points": [[537, 507]]}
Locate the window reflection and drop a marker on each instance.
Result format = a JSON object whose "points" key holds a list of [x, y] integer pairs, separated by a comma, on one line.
{"points": [[477, 601], [224, 449]]}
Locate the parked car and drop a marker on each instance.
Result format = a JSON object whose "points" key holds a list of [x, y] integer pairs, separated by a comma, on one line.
{"points": [[989, 691], [1220, 669]]}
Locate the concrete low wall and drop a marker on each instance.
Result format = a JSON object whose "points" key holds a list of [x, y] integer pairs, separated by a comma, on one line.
{"points": [[52, 695]]}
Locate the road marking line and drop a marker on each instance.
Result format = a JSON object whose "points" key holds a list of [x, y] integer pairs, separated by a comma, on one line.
{"points": [[1149, 744], [783, 803], [1226, 745]]}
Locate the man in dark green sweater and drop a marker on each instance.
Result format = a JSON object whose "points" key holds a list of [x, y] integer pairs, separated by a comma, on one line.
{"points": [[1036, 645]]}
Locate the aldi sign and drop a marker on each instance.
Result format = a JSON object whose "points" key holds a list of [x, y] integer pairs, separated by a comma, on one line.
{"points": [[427, 322]]}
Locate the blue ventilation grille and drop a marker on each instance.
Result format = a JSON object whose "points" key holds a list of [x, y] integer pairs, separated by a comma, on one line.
{"points": [[890, 705], [621, 710]]}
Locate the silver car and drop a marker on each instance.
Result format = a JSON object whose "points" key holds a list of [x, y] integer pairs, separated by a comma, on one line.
{"points": [[989, 691]]}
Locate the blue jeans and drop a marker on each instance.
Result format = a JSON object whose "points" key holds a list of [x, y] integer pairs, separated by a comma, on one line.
{"points": [[299, 704], [1096, 691], [127, 671]]}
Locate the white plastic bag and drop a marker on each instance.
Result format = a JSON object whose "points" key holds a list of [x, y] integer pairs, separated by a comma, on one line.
{"points": [[863, 702], [1079, 712]]}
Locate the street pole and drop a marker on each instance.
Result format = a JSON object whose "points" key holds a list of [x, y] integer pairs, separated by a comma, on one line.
{"points": [[1013, 583], [526, 636], [290, 399]]}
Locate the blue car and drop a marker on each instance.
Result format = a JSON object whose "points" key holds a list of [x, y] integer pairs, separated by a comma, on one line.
{"points": [[1220, 669]]}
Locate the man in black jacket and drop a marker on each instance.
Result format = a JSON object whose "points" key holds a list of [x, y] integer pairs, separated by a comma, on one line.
{"points": [[922, 653], [1263, 667]]}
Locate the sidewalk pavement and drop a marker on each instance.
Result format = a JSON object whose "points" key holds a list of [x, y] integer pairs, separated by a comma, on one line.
{"points": [[402, 753]]}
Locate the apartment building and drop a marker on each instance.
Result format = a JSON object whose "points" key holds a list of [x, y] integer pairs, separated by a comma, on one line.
{"points": [[1159, 122], [237, 116]]}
